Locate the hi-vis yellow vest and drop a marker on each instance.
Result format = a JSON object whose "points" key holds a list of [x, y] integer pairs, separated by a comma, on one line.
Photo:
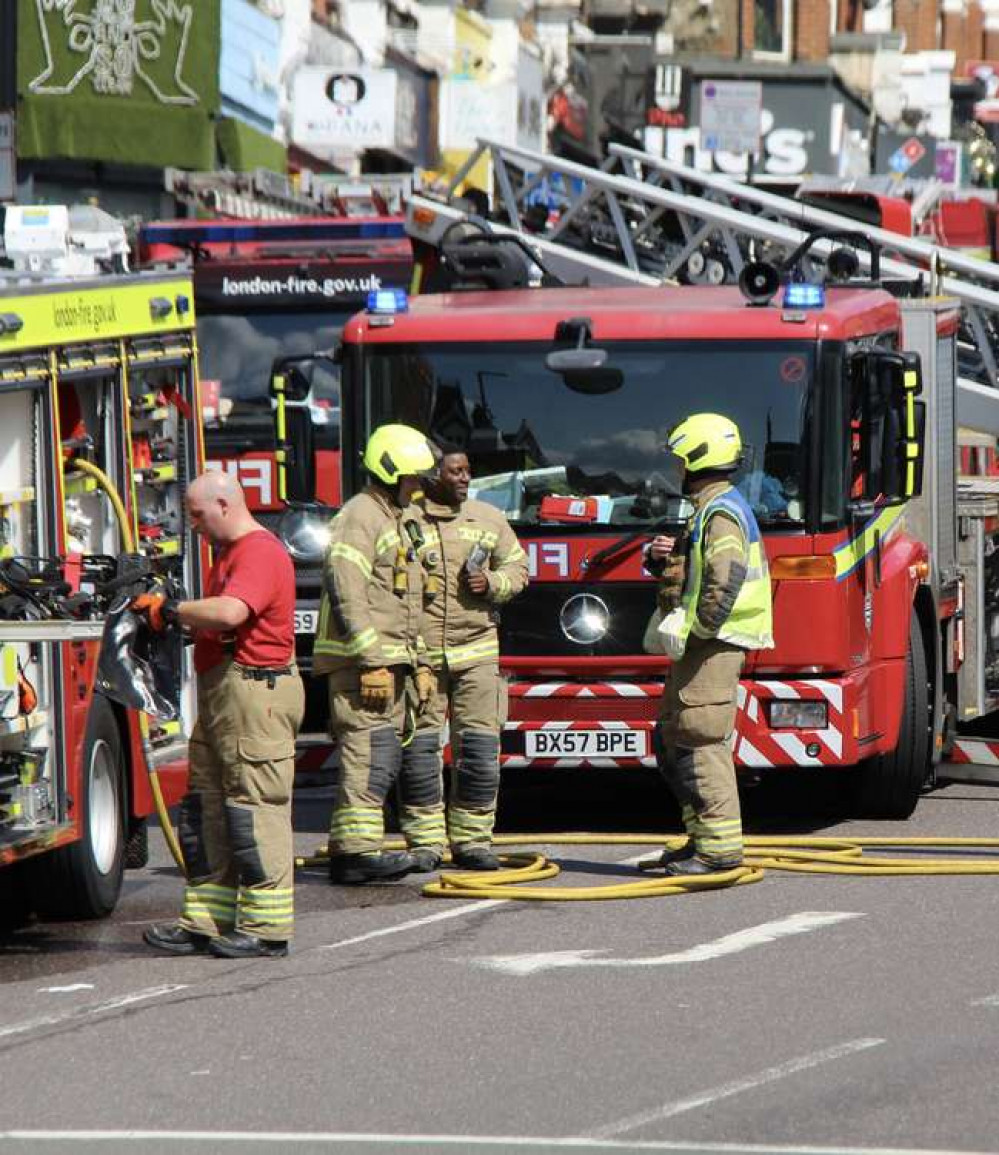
{"points": [[750, 624]]}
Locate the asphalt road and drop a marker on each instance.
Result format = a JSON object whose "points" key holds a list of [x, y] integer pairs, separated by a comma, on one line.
{"points": [[800, 1013]]}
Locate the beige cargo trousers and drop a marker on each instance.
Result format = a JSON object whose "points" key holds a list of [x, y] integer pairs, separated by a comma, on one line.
{"points": [[474, 701], [695, 728], [235, 820]]}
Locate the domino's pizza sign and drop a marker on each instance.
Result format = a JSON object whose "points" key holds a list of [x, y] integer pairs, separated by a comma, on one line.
{"points": [[906, 156]]}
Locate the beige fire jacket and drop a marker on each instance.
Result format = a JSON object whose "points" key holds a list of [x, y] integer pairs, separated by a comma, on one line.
{"points": [[459, 627], [369, 612]]}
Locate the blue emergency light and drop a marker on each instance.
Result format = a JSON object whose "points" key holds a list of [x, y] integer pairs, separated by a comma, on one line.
{"points": [[388, 301], [802, 295]]}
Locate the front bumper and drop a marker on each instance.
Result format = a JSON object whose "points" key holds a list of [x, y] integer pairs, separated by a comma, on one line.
{"points": [[862, 718]]}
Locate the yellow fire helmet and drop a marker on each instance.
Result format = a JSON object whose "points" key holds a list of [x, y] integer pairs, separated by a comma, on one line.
{"points": [[706, 441], [397, 451]]}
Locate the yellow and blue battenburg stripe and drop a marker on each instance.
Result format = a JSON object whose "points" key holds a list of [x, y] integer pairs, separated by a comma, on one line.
{"points": [[851, 553]]}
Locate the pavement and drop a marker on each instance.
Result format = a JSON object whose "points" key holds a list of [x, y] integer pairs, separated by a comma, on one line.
{"points": [[802, 1013]]}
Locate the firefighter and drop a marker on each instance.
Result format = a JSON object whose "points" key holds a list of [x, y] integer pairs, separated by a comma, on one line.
{"points": [[473, 563], [367, 642], [716, 594], [235, 820]]}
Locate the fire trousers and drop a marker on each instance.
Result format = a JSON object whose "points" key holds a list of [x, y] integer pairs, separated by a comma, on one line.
{"points": [[235, 820], [694, 747], [474, 699], [370, 745]]}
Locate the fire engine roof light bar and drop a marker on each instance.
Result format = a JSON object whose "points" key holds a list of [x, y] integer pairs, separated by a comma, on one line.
{"points": [[388, 302]]}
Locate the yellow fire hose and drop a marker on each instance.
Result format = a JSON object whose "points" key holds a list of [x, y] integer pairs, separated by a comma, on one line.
{"points": [[807, 853], [128, 541]]}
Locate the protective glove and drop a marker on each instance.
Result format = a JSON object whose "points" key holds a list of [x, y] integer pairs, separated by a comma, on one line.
{"points": [[377, 688], [424, 682], [158, 610]]}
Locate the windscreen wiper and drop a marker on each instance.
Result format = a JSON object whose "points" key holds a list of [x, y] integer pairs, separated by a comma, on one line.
{"points": [[624, 543]]}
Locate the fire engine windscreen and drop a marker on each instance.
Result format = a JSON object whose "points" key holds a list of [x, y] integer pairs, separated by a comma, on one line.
{"points": [[541, 452], [137, 667], [238, 349]]}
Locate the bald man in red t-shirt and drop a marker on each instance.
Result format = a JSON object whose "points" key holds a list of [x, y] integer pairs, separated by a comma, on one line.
{"points": [[235, 820]]}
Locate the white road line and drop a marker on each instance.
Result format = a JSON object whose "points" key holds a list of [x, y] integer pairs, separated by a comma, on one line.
{"points": [[441, 915], [988, 1001], [767, 932], [65, 990], [86, 1012], [413, 923], [395, 1142], [736, 1087]]}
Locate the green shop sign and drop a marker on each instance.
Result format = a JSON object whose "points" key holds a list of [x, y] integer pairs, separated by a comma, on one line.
{"points": [[129, 81]]}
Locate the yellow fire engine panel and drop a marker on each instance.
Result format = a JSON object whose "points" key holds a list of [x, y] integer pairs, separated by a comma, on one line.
{"points": [[93, 310]]}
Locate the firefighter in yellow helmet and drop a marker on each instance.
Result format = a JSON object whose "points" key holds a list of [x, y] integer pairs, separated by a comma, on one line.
{"points": [[714, 606], [367, 643]]}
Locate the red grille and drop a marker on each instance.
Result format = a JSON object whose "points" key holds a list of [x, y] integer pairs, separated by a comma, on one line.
{"points": [[609, 709]]}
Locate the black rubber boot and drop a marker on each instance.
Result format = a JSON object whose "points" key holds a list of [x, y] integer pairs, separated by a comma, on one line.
{"points": [[175, 939], [425, 859], [239, 944], [476, 858], [696, 865], [357, 869]]}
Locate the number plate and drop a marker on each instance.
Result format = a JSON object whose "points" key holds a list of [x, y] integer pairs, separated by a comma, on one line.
{"points": [[586, 743], [306, 621]]}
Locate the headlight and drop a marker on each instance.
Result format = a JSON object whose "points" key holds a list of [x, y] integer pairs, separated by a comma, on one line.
{"points": [[305, 533], [798, 715]]}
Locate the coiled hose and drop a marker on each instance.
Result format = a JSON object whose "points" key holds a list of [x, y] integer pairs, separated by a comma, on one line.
{"points": [[803, 854], [105, 483]]}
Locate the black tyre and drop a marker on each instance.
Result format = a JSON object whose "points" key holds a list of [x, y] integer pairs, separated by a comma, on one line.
{"points": [[889, 785], [84, 880]]}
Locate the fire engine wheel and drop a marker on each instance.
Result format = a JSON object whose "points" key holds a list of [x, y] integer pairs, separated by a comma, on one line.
{"points": [[890, 784], [83, 880]]}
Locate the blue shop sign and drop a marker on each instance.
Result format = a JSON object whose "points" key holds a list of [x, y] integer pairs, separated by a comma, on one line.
{"points": [[250, 63]]}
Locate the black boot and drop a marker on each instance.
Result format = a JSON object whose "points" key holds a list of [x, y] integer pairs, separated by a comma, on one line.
{"points": [[476, 858], [698, 865], [239, 944], [681, 854], [173, 938], [357, 869], [425, 859]]}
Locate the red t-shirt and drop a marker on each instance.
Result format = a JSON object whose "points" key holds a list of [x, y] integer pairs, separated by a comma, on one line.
{"points": [[256, 569]]}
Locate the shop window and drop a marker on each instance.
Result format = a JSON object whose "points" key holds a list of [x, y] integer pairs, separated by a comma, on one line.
{"points": [[772, 28]]}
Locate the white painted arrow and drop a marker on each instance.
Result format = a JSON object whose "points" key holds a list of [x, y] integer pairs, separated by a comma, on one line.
{"points": [[801, 923]]}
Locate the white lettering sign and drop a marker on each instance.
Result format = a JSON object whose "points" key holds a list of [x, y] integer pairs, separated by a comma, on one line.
{"points": [[344, 109], [548, 559], [253, 474]]}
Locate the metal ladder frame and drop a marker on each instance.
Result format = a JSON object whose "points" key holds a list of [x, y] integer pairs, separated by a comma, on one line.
{"points": [[730, 221]]}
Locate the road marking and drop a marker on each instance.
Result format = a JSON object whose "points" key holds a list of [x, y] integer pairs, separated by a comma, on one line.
{"points": [[65, 990], [413, 923], [988, 1001], [441, 915], [767, 932], [500, 1142], [86, 1012], [736, 1087]]}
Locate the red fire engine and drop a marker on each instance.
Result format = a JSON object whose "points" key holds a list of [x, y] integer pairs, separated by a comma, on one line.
{"points": [[562, 395], [98, 403], [277, 273]]}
